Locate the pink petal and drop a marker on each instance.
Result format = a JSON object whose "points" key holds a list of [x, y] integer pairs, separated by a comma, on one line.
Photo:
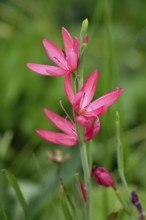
{"points": [[55, 54], [57, 138], [46, 69], [92, 131], [83, 121], [68, 42], [72, 60], [68, 88], [76, 46], [106, 101], [61, 123], [89, 88], [94, 113], [77, 102], [55, 71]]}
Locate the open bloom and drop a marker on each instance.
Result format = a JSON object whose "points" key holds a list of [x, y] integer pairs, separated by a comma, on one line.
{"points": [[81, 101], [68, 137], [103, 177], [66, 61]]}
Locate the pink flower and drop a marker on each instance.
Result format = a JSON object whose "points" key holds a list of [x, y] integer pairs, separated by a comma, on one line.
{"points": [[68, 137], [67, 61], [81, 101], [103, 177]]}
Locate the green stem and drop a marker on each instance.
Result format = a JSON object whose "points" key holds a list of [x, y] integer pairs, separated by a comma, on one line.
{"points": [[120, 161], [86, 171], [122, 202], [80, 130]]}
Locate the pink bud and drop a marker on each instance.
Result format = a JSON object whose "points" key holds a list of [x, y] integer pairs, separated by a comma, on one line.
{"points": [[83, 191], [85, 39], [103, 177]]}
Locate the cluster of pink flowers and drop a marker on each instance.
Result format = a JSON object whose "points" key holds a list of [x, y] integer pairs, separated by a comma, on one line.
{"points": [[87, 112]]}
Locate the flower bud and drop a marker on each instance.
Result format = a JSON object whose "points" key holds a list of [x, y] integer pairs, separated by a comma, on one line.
{"points": [[103, 177], [136, 203], [85, 41], [83, 190]]}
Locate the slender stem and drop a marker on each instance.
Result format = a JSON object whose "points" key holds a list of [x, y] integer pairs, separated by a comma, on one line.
{"points": [[80, 130], [86, 170], [122, 202], [89, 153], [120, 161]]}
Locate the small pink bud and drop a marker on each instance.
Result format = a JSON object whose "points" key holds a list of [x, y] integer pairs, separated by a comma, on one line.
{"points": [[83, 191], [103, 177], [85, 39]]}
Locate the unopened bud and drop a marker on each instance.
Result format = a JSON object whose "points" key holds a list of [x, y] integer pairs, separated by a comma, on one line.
{"points": [[85, 41], [83, 191], [136, 203], [103, 177]]}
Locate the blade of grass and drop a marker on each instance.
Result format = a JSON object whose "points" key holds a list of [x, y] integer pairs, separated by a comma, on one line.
{"points": [[13, 182]]}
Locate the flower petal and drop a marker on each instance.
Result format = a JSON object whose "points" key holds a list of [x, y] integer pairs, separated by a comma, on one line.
{"points": [[55, 71], [46, 70], [72, 60], [92, 131], [77, 102], [83, 121], [61, 123], [68, 88], [68, 42], [106, 101], [57, 138], [89, 88], [94, 113], [76, 46], [55, 54]]}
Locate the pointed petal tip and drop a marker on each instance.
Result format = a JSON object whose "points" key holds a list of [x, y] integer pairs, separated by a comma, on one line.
{"points": [[29, 65], [45, 110], [120, 90], [63, 29], [96, 72], [39, 132], [44, 41]]}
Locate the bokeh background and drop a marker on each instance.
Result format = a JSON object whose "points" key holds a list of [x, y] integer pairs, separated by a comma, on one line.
{"points": [[117, 47]]}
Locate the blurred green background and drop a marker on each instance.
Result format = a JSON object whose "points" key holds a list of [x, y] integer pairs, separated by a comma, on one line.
{"points": [[117, 47]]}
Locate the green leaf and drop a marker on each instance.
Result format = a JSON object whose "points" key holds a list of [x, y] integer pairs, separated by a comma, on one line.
{"points": [[4, 214], [13, 182], [67, 204]]}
